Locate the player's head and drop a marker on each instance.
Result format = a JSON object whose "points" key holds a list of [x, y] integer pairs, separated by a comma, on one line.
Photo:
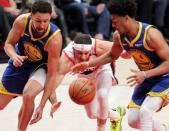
{"points": [[122, 11], [82, 47], [40, 15]]}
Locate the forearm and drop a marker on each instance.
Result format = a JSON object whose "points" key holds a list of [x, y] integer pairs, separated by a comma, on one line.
{"points": [[49, 87], [52, 97], [101, 60], [160, 70], [10, 50]]}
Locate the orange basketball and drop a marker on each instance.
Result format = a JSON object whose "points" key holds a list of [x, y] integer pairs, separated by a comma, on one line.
{"points": [[82, 91]]}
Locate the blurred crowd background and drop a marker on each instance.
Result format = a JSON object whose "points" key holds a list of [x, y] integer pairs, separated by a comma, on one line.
{"points": [[84, 16]]}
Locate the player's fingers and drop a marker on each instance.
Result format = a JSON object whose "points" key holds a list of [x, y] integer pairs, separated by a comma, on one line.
{"points": [[24, 57], [35, 120], [132, 84], [133, 70], [54, 108], [131, 80], [131, 77]]}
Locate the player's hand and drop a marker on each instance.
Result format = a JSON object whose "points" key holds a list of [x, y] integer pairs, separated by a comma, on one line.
{"points": [[18, 60], [54, 108], [125, 55], [79, 67], [37, 115], [136, 79]]}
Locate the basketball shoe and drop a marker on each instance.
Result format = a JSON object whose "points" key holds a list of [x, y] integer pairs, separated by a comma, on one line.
{"points": [[116, 125], [166, 126]]}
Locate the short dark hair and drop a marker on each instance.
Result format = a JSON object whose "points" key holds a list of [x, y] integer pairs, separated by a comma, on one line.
{"points": [[123, 7], [83, 39], [41, 6]]}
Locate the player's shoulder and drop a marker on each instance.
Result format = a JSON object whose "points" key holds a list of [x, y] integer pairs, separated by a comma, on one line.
{"points": [[21, 21], [22, 18]]}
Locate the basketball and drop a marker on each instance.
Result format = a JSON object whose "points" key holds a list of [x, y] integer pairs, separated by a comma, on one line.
{"points": [[82, 91]]}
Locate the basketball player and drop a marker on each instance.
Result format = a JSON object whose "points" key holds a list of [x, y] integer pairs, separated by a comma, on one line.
{"points": [[150, 51], [33, 46], [82, 49]]}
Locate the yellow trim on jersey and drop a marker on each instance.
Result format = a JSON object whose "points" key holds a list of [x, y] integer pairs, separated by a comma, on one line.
{"points": [[160, 94], [144, 40], [137, 36], [133, 105], [25, 23], [51, 37], [4, 91], [30, 31]]}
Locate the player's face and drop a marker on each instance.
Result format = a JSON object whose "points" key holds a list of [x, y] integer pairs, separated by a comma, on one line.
{"points": [[40, 22], [119, 23], [81, 56]]}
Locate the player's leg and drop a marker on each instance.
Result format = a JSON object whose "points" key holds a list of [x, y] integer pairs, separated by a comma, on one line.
{"points": [[33, 87], [104, 84], [148, 108], [4, 100], [91, 108], [134, 118], [142, 118]]}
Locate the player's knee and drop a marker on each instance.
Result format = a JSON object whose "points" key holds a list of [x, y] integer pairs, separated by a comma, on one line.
{"points": [[28, 97], [133, 122], [102, 94], [145, 113]]}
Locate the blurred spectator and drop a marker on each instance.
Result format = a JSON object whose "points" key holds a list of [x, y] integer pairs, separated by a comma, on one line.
{"points": [[8, 13], [57, 18], [145, 8], [159, 13], [5, 25], [98, 9], [81, 9]]}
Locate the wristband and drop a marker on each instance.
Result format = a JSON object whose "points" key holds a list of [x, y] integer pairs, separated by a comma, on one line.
{"points": [[144, 74]]}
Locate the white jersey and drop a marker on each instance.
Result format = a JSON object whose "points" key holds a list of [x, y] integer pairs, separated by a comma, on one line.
{"points": [[92, 72]]}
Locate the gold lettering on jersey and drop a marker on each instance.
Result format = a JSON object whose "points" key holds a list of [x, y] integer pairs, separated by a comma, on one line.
{"points": [[142, 60], [32, 52]]}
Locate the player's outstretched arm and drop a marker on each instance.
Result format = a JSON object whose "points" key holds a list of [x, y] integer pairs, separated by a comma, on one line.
{"points": [[53, 48], [157, 42], [107, 57]]}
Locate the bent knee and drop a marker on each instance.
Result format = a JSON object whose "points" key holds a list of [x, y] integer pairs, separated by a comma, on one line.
{"points": [[145, 112], [28, 97], [102, 95], [133, 122]]}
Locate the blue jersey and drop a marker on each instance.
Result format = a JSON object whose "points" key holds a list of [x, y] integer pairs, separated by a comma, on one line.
{"points": [[14, 79], [143, 55], [146, 59]]}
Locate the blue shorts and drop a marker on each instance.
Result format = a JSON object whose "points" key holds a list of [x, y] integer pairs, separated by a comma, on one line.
{"points": [[157, 86], [14, 79]]}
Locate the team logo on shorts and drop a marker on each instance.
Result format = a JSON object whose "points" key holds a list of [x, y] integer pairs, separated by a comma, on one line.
{"points": [[141, 59], [32, 52]]}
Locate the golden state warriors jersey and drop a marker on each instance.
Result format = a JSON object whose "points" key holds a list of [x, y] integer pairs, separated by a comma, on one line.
{"points": [[143, 55], [15, 78]]}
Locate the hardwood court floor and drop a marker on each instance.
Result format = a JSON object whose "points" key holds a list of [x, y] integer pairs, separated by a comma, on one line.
{"points": [[72, 117]]}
